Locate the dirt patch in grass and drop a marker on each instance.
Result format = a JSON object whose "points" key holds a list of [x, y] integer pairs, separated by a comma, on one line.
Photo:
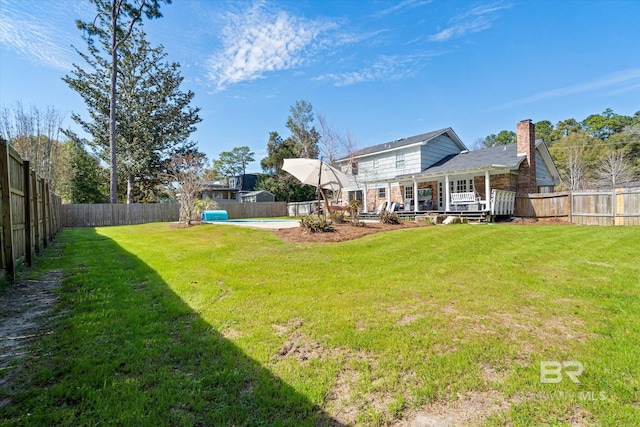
{"points": [[469, 409], [344, 232], [298, 345], [24, 310], [339, 400], [303, 348], [490, 375], [407, 319]]}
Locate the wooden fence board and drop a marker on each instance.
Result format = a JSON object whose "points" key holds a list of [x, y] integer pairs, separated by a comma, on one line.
{"points": [[599, 207], [98, 215], [544, 205], [27, 211]]}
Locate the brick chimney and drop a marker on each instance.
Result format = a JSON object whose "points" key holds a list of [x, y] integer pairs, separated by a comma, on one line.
{"points": [[526, 144]]}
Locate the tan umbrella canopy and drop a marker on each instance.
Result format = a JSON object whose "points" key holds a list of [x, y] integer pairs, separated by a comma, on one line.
{"points": [[317, 173]]}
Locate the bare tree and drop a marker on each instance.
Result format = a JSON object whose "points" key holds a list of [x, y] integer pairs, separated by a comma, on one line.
{"points": [[185, 174], [331, 141], [615, 169], [576, 172], [35, 134], [479, 143]]}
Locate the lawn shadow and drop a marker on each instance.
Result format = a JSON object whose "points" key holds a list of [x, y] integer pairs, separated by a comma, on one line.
{"points": [[127, 350]]}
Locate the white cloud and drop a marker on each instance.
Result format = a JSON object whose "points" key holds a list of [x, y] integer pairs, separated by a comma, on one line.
{"points": [[403, 5], [257, 41], [384, 68], [477, 19], [37, 31], [620, 82]]}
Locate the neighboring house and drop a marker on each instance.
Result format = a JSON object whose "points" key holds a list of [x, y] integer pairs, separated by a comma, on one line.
{"points": [[423, 171], [232, 189], [257, 196]]}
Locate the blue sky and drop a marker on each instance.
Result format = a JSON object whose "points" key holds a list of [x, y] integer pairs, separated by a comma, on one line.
{"points": [[379, 70]]}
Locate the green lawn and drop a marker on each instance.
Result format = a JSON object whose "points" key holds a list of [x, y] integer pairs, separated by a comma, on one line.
{"points": [[222, 325]]}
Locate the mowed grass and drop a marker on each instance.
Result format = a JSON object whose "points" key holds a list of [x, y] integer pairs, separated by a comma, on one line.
{"points": [[223, 325]]}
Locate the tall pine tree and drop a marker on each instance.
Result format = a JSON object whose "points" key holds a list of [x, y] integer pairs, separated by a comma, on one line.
{"points": [[154, 120], [113, 25]]}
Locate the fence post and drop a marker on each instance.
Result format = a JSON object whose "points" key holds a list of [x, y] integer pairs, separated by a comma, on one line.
{"points": [[7, 223], [36, 216], [570, 206], [614, 206], [49, 212], [45, 234], [28, 252]]}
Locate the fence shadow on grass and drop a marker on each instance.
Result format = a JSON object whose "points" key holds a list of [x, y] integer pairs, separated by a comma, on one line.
{"points": [[129, 351]]}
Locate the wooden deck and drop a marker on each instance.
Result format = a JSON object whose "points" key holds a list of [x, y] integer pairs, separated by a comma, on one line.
{"points": [[474, 215]]}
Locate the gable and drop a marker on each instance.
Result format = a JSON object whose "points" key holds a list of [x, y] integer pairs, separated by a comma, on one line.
{"points": [[437, 149], [401, 143], [546, 172]]}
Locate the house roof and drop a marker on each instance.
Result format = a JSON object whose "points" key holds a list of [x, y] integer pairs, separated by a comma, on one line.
{"points": [[255, 193], [501, 156], [405, 142]]}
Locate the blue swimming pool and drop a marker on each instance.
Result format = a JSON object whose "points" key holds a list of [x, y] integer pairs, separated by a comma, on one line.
{"points": [[262, 220]]}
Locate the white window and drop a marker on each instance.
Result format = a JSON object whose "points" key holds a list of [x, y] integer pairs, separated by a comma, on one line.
{"points": [[399, 160], [382, 193], [354, 168], [376, 163], [408, 193]]}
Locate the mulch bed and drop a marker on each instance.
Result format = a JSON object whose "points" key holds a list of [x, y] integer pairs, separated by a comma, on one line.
{"points": [[343, 232]]}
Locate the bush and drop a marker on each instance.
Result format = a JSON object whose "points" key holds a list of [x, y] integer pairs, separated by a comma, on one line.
{"points": [[354, 211], [315, 224], [389, 218], [338, 217]]}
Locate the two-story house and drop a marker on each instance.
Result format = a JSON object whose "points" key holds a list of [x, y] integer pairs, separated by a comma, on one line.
{"points": [[424, 172], [232, 188]]}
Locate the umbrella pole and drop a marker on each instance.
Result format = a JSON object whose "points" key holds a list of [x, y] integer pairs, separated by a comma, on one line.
{"points": [[319, 189]]}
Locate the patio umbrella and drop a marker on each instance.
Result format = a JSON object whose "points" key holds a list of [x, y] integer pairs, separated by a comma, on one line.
{"points": [[317, 173]]}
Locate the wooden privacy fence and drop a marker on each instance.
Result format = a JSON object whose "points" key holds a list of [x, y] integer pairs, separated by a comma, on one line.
{"points": [[30, 213], [599, 207], [99, 215], [253, 210]]}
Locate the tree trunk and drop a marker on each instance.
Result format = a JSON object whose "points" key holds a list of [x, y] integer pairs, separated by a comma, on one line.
{"points": [[113, 187], [130, 180]]}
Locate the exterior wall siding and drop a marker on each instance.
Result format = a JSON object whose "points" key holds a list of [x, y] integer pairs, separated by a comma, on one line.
{"points": [[383, 166], [437, 149], [380, 167], [543, 175]]}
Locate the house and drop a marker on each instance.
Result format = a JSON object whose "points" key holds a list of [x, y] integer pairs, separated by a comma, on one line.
{"points": [[231, 189], [428, 171], [257, 196]]}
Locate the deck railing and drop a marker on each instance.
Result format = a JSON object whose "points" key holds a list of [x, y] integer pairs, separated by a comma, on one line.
{"points": [[502, 202]]}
